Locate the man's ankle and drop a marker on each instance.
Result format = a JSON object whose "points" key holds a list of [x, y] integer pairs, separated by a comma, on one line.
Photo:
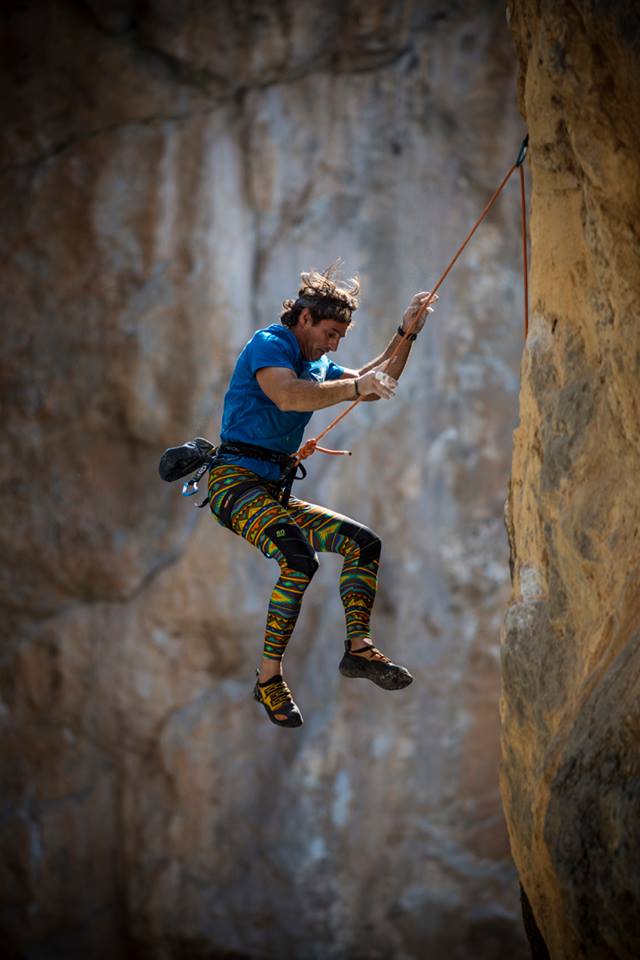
{"points": [[268, 670], [358, 643]]}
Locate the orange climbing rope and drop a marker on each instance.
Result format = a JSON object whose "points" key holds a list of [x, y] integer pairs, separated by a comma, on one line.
{"points": [[525, 272], [311, 445]]}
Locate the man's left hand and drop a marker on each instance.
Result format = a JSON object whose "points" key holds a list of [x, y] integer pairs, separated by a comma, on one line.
{"points": [[415, 316]]}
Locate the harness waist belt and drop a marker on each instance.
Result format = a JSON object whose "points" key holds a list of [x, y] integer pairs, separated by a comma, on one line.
{"points": [[239, 448]]}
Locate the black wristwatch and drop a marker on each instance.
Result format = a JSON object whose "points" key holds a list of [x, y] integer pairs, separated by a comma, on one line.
{"points": [[407, 336]]}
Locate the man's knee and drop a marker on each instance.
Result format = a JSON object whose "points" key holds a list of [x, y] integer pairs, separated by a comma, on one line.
{"points": [[369, 543], [294, 546]]}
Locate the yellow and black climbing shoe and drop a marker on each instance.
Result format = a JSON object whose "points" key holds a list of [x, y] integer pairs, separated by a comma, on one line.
{"points": [[277, 699], [370, 663]]}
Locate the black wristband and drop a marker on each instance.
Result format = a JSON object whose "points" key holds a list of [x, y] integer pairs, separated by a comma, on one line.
{"points": [[407, 336], [355, 383]]}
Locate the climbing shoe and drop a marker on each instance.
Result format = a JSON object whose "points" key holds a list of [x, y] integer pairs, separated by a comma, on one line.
{"points": [[373, 665], [277, 699]]}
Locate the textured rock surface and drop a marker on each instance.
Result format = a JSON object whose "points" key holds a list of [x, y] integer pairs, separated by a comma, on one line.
{"points": [[571, 772], [167, 171]]}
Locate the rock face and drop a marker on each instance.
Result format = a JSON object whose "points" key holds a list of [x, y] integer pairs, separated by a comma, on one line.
{"points": [[168, 169], [571, 769]]}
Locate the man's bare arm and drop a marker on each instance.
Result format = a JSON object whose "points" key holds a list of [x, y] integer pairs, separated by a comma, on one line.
{"points": [[289, 393], [397, 364], [376, 380], [412, 322]]}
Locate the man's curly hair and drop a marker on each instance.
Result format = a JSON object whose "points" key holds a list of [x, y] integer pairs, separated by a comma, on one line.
{"points": [[324, 296]]}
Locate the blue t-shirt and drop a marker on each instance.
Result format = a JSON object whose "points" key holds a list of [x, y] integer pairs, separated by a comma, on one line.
{"points": [[250, 416]]}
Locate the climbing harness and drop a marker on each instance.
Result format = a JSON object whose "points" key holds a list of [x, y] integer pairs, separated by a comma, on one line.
{"points": [[200, 455]]}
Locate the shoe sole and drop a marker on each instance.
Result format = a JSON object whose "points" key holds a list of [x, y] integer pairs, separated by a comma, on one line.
{"points": [[388, 676]]}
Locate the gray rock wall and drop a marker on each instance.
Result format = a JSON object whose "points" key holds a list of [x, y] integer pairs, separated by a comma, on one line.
{"points": [[167, 172]]}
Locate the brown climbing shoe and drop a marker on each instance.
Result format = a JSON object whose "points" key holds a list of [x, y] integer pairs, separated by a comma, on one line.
{"points": [[374, 666], [277, 699]]}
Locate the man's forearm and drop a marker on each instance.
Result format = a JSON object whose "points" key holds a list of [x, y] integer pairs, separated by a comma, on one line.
{"points": [[397, 364], [302, 395]]}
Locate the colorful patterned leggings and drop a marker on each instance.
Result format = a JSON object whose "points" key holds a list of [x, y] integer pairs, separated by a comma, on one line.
{"points": [[291, 535]]}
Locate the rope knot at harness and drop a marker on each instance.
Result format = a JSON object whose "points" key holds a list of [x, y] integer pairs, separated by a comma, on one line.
{"points": [[310, 446]]}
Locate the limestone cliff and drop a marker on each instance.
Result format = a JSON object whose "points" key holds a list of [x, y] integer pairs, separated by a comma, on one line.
{"points": [[571, 769], [167, 170]]}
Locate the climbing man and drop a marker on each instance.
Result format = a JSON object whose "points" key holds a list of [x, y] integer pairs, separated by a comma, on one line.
{"points": [[282, 375]]}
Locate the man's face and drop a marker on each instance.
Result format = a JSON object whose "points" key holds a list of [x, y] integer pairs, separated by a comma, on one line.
{"points": [[319, 338]]}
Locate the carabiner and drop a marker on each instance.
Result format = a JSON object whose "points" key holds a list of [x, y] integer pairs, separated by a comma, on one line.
{"points": [[523, 151]]}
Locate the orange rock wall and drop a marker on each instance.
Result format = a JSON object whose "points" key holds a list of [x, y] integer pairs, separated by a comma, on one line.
{"points": [[571, 773]]}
